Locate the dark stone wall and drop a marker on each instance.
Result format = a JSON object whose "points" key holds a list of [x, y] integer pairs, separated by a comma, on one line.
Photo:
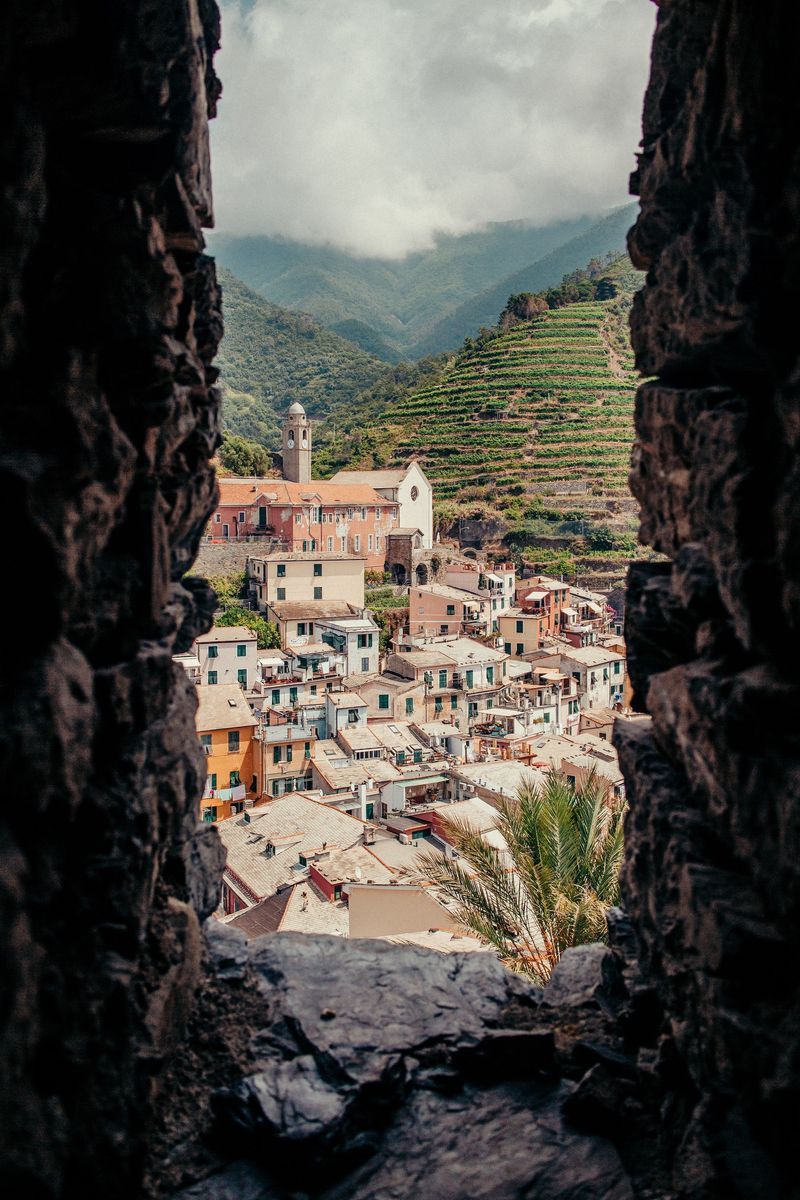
{"points": [[712, 877], [109, 321]]}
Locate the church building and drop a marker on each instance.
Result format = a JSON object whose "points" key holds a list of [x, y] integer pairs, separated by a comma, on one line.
{"points": [[305, 515]]}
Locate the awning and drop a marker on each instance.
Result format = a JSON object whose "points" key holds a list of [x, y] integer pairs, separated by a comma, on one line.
{"points": [[536, 596], [494, 578], [308, 649], [595, 608], [271, 662], [188, 660], [570, 612]]}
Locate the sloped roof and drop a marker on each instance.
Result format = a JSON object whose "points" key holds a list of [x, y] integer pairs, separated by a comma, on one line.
{"points": [[222, 706], [227, 633], [282, 492], [374, 479]]}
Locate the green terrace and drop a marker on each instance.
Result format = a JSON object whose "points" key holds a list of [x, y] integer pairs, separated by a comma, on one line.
{"points": [[544, 403]]}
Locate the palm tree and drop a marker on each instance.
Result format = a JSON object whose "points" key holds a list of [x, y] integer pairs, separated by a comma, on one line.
{"points": [[553, 886]]}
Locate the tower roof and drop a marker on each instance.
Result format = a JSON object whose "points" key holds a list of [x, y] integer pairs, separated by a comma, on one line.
{"points": [[296, 408]]}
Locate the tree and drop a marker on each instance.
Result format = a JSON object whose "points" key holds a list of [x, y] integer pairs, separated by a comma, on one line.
{"points": [[242, 457], [522, 307], [552, 888]]}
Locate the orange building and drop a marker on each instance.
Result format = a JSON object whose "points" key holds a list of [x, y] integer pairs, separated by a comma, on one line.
{"points": [[226, 727]]}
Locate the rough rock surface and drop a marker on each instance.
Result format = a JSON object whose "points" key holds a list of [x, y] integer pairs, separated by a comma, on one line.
{"points": [[712, 874], [387, 1071], [109, 321]]}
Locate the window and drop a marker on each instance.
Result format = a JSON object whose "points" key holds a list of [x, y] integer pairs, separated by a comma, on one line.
{"points": [[276, 754], [330, 545], [210, 814], [281, 570], [225, 530], [212, 677], [212, 781], [605, 674], [288, 754], [394, 514], [617, 668], [370, 811], [453, 702], [281, 593], [276, 695], [383, 700], [546, 718], [349, 514], [364, 666], [414, 492], [213, 651], [301, 629], [364, 640], [437, 704], [400, 757], [443, 678], [293, 695], [384, 811], [217, 518], [417, 756], [377, 541], [305, 546], [490, 703], [241, 651], [317, 568], [520, 648], [357, 542], [205, 742], [508, 648], [233, 741], [241, 518], [298, 518], [490, 674], [363, 514], [241, 677], [451, 610], [520, 626], [343, 544], [369, 541], [317, 593], [234, 779], [470, 679]]}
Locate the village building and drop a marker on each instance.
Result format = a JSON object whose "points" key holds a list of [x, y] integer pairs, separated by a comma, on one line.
{"points": [[301, 577], [495, 582], [227, 654], [598, 672], [494, 781], [293, 840], [459, 677], [389, 697], [544, 597], [286, 757], [226, 727], [438, 610], [356, 638], [296, 621], [408, 488]]}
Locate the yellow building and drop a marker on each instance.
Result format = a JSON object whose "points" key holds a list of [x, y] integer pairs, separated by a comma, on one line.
{"points": [[226, 727], [521, 631], [299, 578]]}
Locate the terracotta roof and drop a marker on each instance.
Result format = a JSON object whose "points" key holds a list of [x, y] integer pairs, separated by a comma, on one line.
{"points": [[264, 917], [227, 633], [280, 492]]}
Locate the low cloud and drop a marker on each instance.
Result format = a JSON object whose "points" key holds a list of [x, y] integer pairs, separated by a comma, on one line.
{"points": [[374, 125]]}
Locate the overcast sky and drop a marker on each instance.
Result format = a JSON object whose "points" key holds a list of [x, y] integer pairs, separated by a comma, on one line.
{"points": [[373, 125]]}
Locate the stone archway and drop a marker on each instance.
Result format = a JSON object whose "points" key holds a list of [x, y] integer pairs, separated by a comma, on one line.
{"points": [[421, 574], [399, 574]]}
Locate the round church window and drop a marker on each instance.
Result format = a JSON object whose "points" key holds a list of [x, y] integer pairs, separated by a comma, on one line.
{"points": [[414, 492]]}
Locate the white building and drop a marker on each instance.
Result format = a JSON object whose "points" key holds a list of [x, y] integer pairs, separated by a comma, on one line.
{"points": [[408, 488], [599, 673], [227, 655], [355, 638]]}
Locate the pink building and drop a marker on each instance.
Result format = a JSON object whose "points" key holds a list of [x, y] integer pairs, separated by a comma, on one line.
{"points": [[437, 610], [320, 517]]}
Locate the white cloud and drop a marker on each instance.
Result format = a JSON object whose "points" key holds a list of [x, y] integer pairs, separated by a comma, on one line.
{"points": [[373, 125]]}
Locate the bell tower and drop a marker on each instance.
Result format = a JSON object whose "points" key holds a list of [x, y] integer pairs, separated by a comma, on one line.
{"points": [[297, 445]]}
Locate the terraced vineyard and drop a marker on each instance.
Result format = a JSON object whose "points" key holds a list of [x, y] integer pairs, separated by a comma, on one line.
{"points": [[540, 405], [541, 415]]}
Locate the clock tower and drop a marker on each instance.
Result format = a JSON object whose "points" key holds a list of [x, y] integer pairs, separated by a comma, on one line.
{"points": [[297, 445]]}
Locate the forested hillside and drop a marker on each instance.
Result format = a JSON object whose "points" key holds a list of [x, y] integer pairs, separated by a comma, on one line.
{"points": [[395, 309], [269, 358], [481, 309]]}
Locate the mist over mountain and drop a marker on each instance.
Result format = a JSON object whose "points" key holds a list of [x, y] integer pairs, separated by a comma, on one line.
{"points": [[428, 301]]}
